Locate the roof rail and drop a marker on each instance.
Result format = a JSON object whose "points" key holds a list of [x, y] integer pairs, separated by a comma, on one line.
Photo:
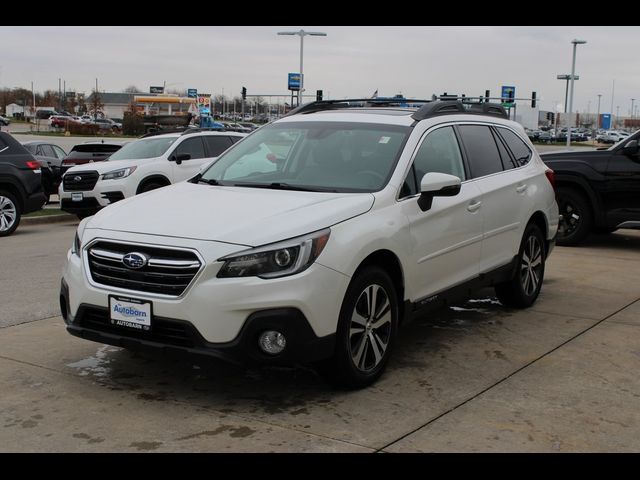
{"points": [[448, 107], [426, 108], [354, 103]]}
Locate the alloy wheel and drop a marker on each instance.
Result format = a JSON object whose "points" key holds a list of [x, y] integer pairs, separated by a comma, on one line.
{"points": [[571, 216], [8, 213], [531, 266], [370, 329]]}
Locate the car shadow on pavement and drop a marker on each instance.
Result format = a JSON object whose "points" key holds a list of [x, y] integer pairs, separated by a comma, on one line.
{"points": [[228, 388], [623, 239]]}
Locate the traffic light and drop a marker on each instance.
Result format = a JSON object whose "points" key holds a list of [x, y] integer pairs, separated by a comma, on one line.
{"points": [[244, 93], [533, 99], [318, 95]]}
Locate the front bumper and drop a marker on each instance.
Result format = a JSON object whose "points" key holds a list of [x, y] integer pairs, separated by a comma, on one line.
{"points": [[219, 317], [179, 338], [104, 193]]}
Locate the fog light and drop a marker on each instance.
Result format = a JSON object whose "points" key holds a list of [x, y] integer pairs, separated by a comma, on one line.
{"points": [[272, 342]]}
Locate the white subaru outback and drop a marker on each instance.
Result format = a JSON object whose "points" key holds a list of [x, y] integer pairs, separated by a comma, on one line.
{"points": [[139, 166], [315, 237]]}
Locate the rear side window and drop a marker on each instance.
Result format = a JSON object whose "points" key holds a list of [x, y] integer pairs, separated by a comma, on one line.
{"points": [[517, 146], [481, 148], [508, 161], [217, 144], [47, 151]]}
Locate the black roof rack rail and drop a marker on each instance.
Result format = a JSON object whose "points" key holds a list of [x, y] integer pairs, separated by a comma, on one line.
{"points": [[429, 108], [321, 105], [448, 107]]}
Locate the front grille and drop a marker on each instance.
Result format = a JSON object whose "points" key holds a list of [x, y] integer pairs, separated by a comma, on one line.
{"points": [[167, 271], [163, 330], [80, 181]]}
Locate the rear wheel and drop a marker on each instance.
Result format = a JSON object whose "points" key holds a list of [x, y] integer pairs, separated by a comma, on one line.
{"points": [[366, 330], [9, 213], [576, 217], [523, 289]]}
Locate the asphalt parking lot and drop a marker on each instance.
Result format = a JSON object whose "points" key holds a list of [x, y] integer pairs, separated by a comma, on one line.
{"points": [[559, 377]]}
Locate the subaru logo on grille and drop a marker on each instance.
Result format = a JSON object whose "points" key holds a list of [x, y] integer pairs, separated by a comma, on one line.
{"points": [[135, 260], [77, 178]]}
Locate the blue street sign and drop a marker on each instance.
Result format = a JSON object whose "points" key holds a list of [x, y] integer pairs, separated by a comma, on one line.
{"points": [[508, 94], [192, 93], [294, 81]]}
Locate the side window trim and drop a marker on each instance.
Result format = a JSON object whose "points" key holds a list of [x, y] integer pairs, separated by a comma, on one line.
{"points": [[500, 141]]}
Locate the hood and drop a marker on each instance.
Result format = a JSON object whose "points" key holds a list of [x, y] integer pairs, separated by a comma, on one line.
{"points": [[105, 166], [583, 155], [244, 216]]}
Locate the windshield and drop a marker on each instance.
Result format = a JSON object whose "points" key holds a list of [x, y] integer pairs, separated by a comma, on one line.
{"points": [[319, 156], [144, 148]]}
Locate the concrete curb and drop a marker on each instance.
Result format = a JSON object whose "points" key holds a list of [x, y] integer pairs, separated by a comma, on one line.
{"points": [[48, 219]]}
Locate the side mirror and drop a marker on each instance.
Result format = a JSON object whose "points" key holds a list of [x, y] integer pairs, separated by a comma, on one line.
{"points": [[181, 157], [631, 148], [436, 184]]}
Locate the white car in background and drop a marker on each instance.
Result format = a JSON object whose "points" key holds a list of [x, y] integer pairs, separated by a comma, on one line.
{"points": [[140, 166]]}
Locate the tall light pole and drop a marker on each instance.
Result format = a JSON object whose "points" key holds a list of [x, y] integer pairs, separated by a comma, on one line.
{"points": [[302, 34], [598, 120], [575, 42], [632, 100]]}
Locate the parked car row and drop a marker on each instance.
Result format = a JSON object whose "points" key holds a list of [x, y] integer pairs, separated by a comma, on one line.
{"points": [[105, 124]]}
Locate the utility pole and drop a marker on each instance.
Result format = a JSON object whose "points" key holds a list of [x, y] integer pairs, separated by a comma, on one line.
{"points": [[598, 119], [613, 89]]}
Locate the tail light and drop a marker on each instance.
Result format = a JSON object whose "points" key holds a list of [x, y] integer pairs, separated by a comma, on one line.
{"points": [[33, 165], [551, 177]]}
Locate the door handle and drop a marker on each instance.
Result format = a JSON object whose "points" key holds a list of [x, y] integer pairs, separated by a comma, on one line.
{"points": [[472, 207], [521, 188]]}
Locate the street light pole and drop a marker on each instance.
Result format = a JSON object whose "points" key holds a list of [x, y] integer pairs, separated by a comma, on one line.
{"points": [[575, 42], [632, 100], [598, 120], [302, 34]]}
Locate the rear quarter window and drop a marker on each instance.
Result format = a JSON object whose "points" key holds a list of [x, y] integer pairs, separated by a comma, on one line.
{"points": [[518, 147]]}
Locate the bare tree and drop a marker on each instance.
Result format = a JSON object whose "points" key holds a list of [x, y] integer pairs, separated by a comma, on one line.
{"points": [[95, 104], [132, 89]]}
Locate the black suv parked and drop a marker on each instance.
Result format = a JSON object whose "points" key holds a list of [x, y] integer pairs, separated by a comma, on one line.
{"points": [[598, 191], [20, 184]]}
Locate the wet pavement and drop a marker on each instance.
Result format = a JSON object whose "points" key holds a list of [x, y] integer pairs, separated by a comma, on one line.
{"points": [[560, 376]]}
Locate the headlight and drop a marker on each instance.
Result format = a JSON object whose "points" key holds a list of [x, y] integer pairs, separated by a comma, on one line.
{"points": [[115, 174], [77, 243], [277, 259], [75, 248]]}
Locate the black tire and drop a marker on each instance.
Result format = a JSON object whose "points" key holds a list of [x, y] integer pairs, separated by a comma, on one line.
{"points": [[147, 187], [523, 289], [360, 358], [577, 217], [10, 213]]}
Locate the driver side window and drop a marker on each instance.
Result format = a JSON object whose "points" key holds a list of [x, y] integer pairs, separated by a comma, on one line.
{"points": [[439, 152]]}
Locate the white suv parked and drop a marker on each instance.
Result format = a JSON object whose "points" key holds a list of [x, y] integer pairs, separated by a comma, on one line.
{"points": [[315, 237], [142, 165]]}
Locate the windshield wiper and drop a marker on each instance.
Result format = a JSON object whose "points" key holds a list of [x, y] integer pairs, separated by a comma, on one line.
{"points": [[209, 181], [283, 186]]}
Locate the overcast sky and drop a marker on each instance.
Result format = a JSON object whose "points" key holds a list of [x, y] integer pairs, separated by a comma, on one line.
{"points": [[348, 62]]}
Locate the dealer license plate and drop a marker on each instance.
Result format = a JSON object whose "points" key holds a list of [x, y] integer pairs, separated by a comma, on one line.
{"points": [[130, 312]]}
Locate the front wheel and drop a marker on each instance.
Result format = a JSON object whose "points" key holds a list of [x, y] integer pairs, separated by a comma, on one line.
{"points": [[366, 331], [9, 213], [523, 289]]}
